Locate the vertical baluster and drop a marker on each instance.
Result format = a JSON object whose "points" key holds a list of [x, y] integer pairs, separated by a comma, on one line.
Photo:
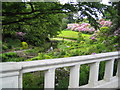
{"points": [[49, 81], [74, 76], [20, 80], [94, 71], [109, 70], [118, 69]]}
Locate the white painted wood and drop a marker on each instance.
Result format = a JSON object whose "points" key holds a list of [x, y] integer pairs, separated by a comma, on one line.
{"points": [[10, 82], [58, 65], [9, 75], [104, 84], [118, 69], [74, 76], [11, 72], [83, 59], [109, 70], [49, 81], [93, 75], [20, 80]]}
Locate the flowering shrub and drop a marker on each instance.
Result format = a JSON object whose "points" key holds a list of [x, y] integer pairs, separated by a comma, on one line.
{"points": [[20, 33], [84, 27], [102, 32], [104, 23], [117, 32]]}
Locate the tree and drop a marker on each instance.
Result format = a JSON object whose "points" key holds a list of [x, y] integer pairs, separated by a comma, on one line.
{"points": [[42, 19], [112, 13], [37, 20]]}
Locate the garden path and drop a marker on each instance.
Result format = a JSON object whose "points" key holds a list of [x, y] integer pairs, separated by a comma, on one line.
{"points": [[64, 39]]}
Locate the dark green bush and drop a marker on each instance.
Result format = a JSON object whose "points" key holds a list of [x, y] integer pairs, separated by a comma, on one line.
{"points": [[33, 80], [84, 74], [4, 47], [11, 56], [80, 37]]}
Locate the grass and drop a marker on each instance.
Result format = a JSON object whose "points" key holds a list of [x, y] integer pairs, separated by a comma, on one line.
{"points": [[71, 35]]}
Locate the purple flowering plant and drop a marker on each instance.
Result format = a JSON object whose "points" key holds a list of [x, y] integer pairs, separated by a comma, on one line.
{"points": [[20, 33]]}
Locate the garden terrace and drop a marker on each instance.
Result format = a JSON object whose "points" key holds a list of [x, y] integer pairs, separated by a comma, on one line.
{"points": [[12, 72]]}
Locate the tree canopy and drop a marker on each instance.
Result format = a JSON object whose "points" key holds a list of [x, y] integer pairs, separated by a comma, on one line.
{"points": [[42, 19]]}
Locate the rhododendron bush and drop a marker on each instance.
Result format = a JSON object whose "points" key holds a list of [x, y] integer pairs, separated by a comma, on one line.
{"points": [[102, 31], [84, 27], [106, 35], [104, 23]]}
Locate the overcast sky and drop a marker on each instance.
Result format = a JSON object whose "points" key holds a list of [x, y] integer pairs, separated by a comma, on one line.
{"points": [[65, 1]]}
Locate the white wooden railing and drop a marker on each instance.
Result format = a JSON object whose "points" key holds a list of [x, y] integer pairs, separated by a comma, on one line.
{"points": [[11, 72]]}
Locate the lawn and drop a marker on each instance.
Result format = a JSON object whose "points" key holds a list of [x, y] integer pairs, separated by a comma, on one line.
{"points": [[71, 35]]}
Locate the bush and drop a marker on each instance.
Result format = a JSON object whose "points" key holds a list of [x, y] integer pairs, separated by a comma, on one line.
{"points": [[80, 37], [12, 43], [102, 34], [24, 45], [4, 47], [10, 56]]}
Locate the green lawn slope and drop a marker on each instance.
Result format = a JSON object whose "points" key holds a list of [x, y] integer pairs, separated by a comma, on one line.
{"points": [[71, 35]]}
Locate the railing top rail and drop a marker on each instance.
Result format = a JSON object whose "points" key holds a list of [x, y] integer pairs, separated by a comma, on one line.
{"points": [[70, 59], [59, 61]]}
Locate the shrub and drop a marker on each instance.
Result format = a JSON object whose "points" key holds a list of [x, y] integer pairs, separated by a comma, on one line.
{"points": [[10, 56], [24, 45], [4, 47], [102, 34], [12, 43], [80, 37]]}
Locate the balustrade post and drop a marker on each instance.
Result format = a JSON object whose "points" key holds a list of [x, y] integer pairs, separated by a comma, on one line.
{"points": [[93, 76], [20, 80], [74, 76], [109, 70], [118, 69], [49, 81], [9, 75]]}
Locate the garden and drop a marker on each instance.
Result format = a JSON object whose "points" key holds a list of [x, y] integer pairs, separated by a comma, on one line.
{"points": [[32, 31]]}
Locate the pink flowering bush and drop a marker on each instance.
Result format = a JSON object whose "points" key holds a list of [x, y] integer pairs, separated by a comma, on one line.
{"points": [[84, 27], [117, 32], [20, 33], [102, 32], [104, 23]]}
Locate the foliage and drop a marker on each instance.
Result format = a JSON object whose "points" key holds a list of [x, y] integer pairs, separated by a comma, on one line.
{"points": [[33, 80], [112, 12], [37, 25], [64, 23], [102, 34], [10, 57], [83, 27], [84, 74], [40, 20], [80, 37], [11, 44], [104, 23], [4, 47], [24, 45]]}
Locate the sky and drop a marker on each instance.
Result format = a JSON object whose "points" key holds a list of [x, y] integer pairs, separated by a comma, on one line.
{"points": [[65, 1], [103, 2]]}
